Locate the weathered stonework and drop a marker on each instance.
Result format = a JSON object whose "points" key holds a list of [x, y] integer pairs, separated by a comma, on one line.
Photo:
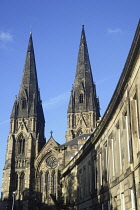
{"points": [[83, 110], [98, 167]]}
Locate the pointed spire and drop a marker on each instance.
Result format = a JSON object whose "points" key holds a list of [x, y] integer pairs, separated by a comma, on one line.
{"points": [[83, 109], [83, 57], [28, 101], [83, 70], [83, 96], [29, 75]]}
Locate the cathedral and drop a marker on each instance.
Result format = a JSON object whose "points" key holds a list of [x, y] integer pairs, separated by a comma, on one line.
{"points": [[98, 165]]}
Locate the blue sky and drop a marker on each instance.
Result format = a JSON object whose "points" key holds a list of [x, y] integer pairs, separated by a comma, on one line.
{"points": [[56, 26]]}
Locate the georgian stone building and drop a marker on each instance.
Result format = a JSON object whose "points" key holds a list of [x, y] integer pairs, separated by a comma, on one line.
{"points": [[98, 167]]}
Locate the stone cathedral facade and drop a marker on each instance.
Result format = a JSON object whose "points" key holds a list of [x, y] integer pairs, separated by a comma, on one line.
{"points": [[98, 166]]}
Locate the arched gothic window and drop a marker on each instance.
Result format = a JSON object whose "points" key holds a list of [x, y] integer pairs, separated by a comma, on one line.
{"points": [[47, 183], [22, 181], [41, 182], [38, 181], [21, 144], [81, 98], [23, 103], [54, 183]]}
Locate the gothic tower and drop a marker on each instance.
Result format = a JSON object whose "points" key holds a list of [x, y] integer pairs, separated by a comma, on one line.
{"points": [[26, 137], [83, 110]]}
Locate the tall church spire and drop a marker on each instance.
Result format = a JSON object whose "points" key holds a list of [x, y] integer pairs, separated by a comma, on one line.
{"points": [[83, 71], [26, 136], [83, 109], [28, 102], [29, 79]]}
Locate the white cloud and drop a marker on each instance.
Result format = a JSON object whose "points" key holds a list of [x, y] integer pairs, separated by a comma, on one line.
{"points": [[55, 101], [113, 31], [5, 37]]}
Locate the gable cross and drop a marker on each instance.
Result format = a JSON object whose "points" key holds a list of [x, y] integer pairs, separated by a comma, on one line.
{"points": [[51, 133]]}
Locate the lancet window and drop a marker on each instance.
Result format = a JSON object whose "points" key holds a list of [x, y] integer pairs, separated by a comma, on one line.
{"points": [[38, 181], [23, 103], [54, 183], [21, 144], [81, 98], [41, 182], [47, 183], [22, 181]]}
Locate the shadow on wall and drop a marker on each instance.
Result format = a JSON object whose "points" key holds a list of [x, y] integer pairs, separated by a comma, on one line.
{"points": [[90, 192]]}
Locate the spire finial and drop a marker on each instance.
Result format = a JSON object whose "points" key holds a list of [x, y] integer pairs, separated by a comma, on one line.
{"points": [[51, 133], [30, 30]]}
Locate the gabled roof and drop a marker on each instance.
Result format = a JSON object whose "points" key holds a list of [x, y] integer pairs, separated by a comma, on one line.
{"points": [[52, 141], [74, 141]]}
